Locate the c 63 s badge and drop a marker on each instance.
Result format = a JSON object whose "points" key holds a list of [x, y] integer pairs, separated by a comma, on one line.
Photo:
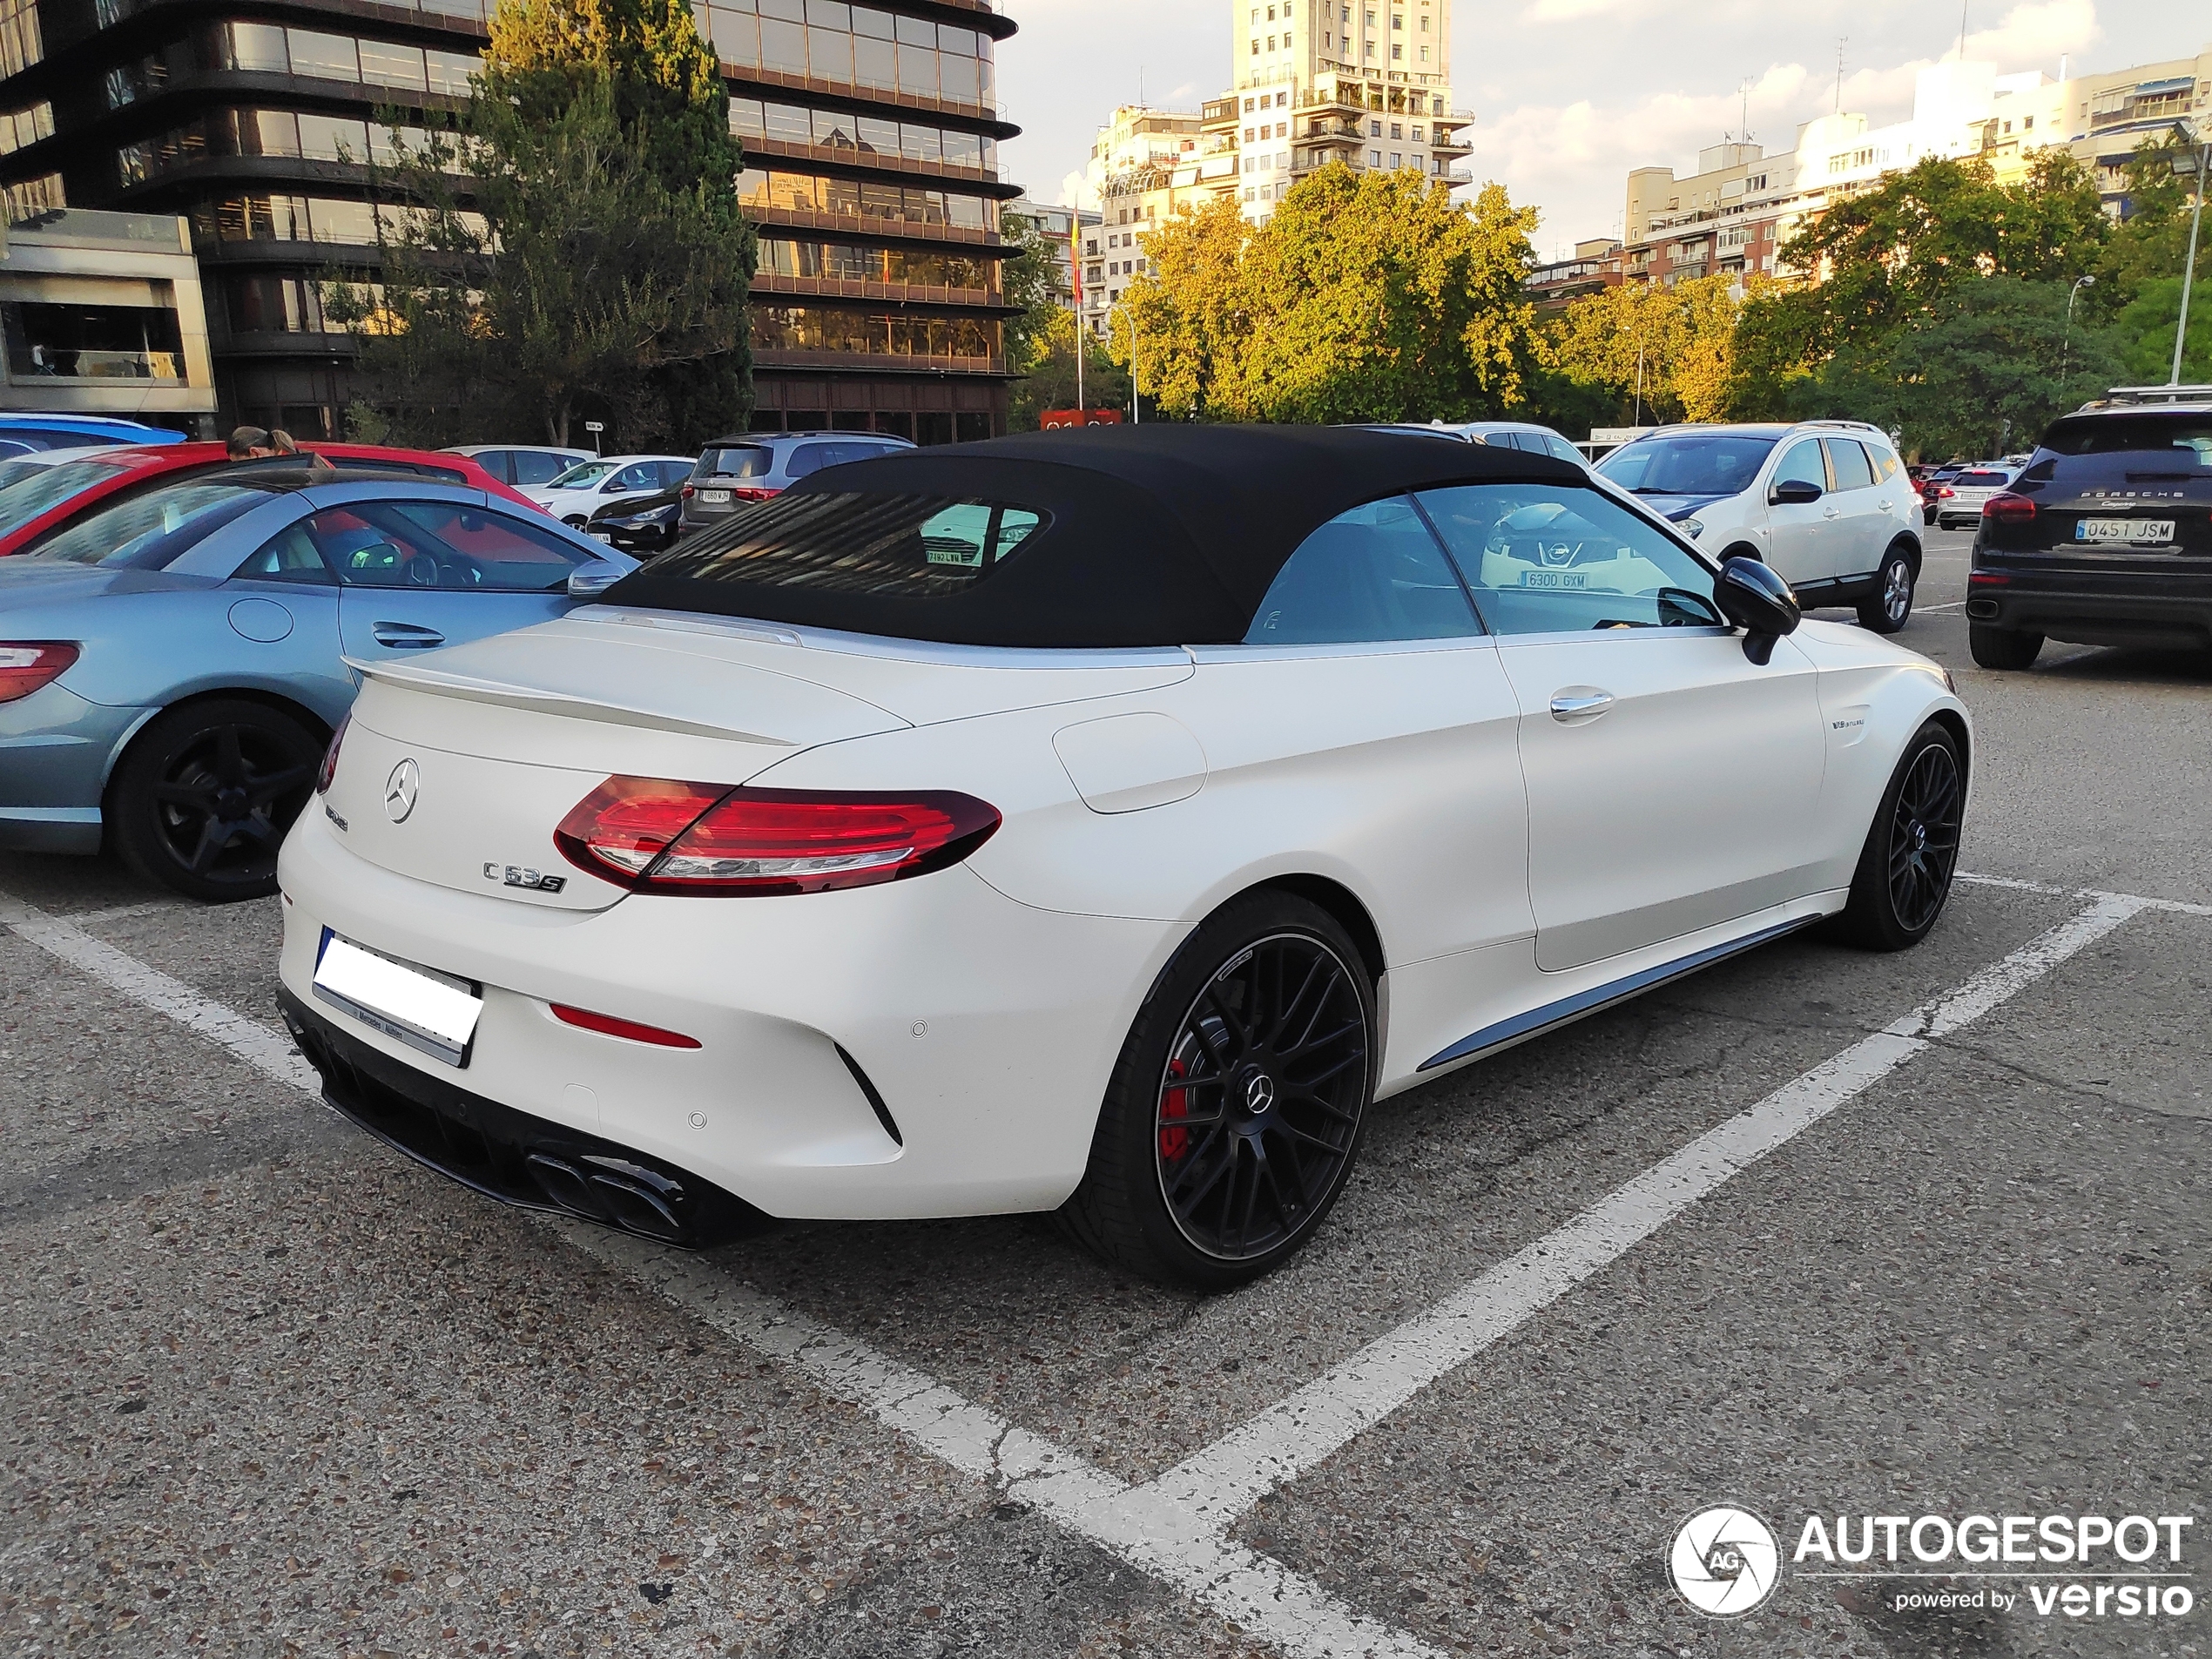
{"points": [[514, 876]]}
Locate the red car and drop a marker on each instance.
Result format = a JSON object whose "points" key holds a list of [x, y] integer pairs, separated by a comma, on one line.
{"points": [[34, 506]]}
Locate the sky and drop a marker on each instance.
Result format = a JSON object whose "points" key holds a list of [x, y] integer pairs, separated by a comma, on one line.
{"points": [[1569, 95]]}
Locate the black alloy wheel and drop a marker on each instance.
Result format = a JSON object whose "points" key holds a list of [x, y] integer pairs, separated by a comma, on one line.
{"points": [[203, 798], [1911, 851], [1891, 605], [1234, 1115], [1259, 1102]]}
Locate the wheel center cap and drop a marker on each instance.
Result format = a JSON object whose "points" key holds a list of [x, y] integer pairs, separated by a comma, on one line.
{"points": [[1259, 1094], [230, 803], [1919, 834]]}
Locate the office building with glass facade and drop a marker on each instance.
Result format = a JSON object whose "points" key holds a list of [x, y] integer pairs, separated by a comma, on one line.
{"points": [[871, 134]]}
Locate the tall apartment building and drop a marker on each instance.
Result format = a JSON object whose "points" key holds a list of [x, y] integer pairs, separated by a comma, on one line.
{"points": [[871, 134], [1145, 166], [1366, 81]]}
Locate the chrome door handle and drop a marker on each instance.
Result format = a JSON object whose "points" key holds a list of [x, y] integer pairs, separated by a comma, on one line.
{"points": [[1570, 706], [405, 636], [1833, 512], [1885, 507]]}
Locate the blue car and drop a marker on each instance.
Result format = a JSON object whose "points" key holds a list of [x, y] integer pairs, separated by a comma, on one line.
{"points": [[24, 433], [173, 666]]}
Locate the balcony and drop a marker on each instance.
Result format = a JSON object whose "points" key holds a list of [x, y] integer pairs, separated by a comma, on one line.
{"points": [[64, 363]]}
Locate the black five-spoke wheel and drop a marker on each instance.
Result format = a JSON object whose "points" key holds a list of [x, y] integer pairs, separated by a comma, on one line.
{"points": [[1911, 849], [1234, 1114], [203, 798], [1259, 1103]]}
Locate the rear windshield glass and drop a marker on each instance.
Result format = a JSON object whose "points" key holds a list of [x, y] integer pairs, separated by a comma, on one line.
{"points": [[147, 532], [2185, 440], [40, 488], [734, 461], [1980, 479], [916, 547], [1689, 465]]}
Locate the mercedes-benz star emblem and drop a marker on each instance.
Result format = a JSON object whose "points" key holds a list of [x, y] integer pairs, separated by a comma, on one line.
{"points": [[1259, 1093], [400, 789]]}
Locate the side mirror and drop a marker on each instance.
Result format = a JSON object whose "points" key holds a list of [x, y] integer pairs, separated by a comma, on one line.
{"points": [[615, 487], [594, 576], [1794, 492], [1754, 599]]}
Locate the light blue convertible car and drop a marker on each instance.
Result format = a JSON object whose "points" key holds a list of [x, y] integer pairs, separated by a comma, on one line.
{"points": [[171, 667]]}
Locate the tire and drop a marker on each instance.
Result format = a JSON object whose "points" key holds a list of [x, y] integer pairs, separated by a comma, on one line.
{"points": [[1255, 1053], [576, 521], [1888, 608], [2002, 648], [205, 793], [1911, 851]]}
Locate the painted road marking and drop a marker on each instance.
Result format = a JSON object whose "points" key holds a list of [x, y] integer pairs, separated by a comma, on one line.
{"points": [[1173, 1525], [267, 1051]]}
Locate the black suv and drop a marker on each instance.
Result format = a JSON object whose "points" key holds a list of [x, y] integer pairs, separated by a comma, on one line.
{"points": [[2106, 539]]}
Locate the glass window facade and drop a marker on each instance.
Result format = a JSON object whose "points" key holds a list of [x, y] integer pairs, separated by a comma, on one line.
{"points": [[26, 126], [850, 262], [266, 133], [302, 219], [753, 118], [969, 342], [760, 189], [826, 40]]}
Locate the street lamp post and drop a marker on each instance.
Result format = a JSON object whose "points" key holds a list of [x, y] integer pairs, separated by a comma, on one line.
{"points": [[1136, 406], [2189, 270], [2065, 356]]}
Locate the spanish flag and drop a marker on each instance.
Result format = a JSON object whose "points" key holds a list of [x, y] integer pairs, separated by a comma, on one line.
{"points": [[1075, 254]]}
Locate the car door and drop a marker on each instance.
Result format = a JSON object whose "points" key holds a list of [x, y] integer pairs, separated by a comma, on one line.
{"points": [[1797, 535], [419, 573], [1673, 785], [284, 603], [1861, 532], [1364, 721]]}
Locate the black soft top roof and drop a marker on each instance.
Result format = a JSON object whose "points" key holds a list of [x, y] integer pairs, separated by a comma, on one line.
{"points": [[1163, 534]]}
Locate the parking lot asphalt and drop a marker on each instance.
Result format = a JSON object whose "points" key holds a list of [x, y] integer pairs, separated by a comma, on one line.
{"points": [[1769, 1238]]}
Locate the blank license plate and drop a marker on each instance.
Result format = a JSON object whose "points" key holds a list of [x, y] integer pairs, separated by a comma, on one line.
{"points": [[2153, 530], [714, 497], [1554, 579], [425, 1010]]}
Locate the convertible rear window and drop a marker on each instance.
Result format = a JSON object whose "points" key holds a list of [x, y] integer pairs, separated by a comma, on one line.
{"points": [[910, 547]]}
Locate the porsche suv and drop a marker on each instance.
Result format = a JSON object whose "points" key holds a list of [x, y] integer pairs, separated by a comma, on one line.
{"points": [[2105, 538]]}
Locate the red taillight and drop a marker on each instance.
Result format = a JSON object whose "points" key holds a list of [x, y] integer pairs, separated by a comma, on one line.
{"points": [[657, 836], [687, 492], [1986, 578], [608, 1025], [1946, 490], [747, 492], [2008, 508], [26, 666], [328, 771]]}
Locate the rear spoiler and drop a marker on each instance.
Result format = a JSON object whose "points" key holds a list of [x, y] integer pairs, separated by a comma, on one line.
{"points": [[418, 677]]}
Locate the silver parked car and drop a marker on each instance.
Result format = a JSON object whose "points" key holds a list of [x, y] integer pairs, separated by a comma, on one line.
{"points": [[1958, 504], [754, 466], [522, 463]]}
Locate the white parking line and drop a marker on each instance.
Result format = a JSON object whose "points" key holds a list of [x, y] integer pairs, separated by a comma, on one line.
{"points": [[1175, 1544], [265, 1051], [1297, 1433], [1174, 1527]]}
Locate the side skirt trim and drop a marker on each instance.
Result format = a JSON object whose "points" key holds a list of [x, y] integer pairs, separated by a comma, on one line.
{"points": [[1538, 1020]]}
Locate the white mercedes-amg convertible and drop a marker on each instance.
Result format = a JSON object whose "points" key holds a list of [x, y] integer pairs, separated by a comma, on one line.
{"points": [[1096, 821]]}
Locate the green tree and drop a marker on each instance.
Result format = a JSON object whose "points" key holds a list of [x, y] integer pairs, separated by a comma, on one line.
{"points": [[1027, 280], [1367, 296], [2143, 330], [1679, 342], [1049, 379], [574, 249]]}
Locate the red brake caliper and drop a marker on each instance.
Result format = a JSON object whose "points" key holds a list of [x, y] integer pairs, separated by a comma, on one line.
{"points": [[1175, 1103]]}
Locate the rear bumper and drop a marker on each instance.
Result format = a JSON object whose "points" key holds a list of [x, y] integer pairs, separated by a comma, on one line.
{"points": [[510, 1155], [2088, 608], [987, 1029]]}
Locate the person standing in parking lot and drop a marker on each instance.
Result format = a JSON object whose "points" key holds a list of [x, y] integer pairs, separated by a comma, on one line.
{"points": [[250, 443]]}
